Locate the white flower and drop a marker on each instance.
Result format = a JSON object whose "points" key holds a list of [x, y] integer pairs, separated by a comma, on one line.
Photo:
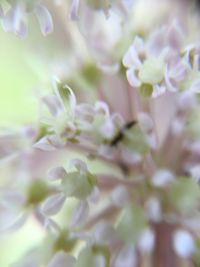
{"points": [[184, 244], [16, 18], [155, 66]]}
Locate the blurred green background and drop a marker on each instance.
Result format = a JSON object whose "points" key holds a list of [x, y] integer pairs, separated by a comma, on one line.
{"points": [[18, 80]]}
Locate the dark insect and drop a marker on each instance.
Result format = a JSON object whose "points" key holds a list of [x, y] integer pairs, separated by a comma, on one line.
{"points": [[120, 135]]}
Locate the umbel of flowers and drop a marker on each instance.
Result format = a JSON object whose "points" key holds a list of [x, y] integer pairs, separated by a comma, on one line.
{"points": [[141, 209]]}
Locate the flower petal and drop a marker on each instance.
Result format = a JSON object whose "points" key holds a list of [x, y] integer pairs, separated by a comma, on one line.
{"points": [[80, 215], [74, 10], [44, 18], [56, 173], [61, 259], [53, 204], [132, 79]]}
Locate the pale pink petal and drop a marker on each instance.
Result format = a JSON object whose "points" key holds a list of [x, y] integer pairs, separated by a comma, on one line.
{"points": [[170, 82], [179, 71], [132, 79], [61, 259], [79, 165], [11, 220], [15, 21], [175, 35], [131, 58], [53, 204], [95, 195], [44, 18], [44, 144], [102, 107], [74, 9], [57, 173], [195, 87], [80, 215]]}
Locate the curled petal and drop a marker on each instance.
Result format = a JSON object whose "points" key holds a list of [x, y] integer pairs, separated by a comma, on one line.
{"points": [[158, 90], [74, 10], [65, 95], [79, 165], [57, 173], [132, 79], [101, 106], [131, 58], [80, 215], [44, 18]]}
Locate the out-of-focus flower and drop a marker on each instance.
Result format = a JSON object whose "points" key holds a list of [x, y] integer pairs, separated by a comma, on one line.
{"points": [[184, 244], [39, 198], [15, 19], [155, 65], [105, 5]]}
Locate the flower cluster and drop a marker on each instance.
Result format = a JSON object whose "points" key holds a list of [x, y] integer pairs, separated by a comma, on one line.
{"points": [[15, 17], [141, 206]]}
